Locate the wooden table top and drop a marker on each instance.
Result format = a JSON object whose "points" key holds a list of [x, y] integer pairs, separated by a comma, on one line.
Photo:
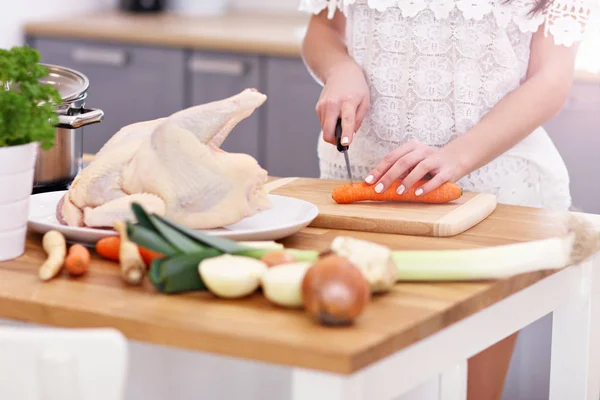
{"points": [[235, 32], [255, 329]]}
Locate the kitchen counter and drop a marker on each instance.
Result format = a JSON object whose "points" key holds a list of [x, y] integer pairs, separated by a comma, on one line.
{"points": [[417, 331], [197, 321], [236, 32]]}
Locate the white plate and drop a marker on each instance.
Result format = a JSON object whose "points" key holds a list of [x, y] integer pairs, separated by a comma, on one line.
{"points": [[286, 217]]}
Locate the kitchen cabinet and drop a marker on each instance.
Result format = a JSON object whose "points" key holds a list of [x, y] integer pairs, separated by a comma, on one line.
{"points": [[292, 126], [214, 76], [129, 83], [576, 133]]}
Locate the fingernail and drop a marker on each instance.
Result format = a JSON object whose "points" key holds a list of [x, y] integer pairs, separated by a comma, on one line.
{"points": [[400, 189], [419, 192], [379, 188], [345, 140], [369, 179]]}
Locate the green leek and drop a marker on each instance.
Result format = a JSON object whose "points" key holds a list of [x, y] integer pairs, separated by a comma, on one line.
{"points": [[483, 263]]}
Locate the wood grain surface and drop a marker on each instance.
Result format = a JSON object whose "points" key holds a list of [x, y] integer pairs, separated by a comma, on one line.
{"points": [[279, 35], [257, 330], [439, 220]]}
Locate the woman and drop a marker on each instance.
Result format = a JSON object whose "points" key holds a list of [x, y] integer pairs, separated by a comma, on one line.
{"points": [[452, 90]]}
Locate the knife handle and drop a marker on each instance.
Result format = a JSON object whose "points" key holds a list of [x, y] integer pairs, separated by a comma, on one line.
{"points": [[338, 136]]}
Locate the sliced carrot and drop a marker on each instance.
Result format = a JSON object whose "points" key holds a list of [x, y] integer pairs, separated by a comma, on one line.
{"points": [[148, 255], [108, 247], [77, 260], [361, 191]]}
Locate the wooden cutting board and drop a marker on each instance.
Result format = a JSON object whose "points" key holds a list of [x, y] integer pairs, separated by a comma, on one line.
{"points": [[438, 220]]}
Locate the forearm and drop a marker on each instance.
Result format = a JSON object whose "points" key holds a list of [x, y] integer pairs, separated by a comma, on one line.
{"points": [[512, 119], [546, 88], [324, 46]]}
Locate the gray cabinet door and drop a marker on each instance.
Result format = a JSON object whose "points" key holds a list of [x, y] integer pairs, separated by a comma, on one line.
{"points": [[215, 76], [292, 126], [129, 83], [574, 131]]}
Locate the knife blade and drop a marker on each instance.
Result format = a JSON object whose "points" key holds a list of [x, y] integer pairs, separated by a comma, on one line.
{"points": [[343, 149]]}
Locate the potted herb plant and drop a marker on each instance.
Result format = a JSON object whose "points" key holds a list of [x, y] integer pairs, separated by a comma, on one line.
{"points": [[27, 122]]}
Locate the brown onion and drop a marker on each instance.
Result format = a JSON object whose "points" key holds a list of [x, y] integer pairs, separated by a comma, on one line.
{"points": [[277, 257], [334, 291]]}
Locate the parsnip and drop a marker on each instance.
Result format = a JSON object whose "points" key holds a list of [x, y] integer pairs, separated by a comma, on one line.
{"points": [[132, 265], [282, 284], [55, 246], [374, 260], [230, 276]]}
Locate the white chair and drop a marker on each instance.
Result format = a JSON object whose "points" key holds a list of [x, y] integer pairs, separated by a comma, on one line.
{"points": [[39, 363]]}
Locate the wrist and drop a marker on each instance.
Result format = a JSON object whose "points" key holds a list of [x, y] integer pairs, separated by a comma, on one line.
{"points": [[463, 156], [338, 67]]}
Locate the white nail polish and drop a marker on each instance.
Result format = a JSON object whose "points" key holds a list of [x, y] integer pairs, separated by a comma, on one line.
{"points": [[379, 188], [400, 189], [369, 179], [345, 140], [419, 192]]}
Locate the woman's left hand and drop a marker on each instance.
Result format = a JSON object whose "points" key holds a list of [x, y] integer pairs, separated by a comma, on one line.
{"points": [[411, 162]]}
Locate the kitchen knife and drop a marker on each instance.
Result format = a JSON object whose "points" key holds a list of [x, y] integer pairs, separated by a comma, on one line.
{"points": [[341, 148]]}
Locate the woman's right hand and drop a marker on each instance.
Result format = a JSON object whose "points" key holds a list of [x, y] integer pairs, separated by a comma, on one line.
{"points": [[346, 96]]}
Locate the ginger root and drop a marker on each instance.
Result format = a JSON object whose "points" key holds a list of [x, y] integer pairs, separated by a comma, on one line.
{"points": [[133, 268], [55, 245]]}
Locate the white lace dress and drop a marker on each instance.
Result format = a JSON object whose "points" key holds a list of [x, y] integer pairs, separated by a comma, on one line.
{"points": [[435, 68]]}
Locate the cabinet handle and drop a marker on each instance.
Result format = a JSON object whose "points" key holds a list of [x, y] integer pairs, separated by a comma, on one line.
{"points": [[222, 67], [113, 58]]}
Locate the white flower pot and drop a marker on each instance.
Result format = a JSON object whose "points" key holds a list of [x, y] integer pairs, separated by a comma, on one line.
{"points": [[17, 164], [200, 7]]}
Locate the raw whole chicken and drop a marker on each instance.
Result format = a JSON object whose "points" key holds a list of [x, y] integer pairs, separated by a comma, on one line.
{"points": [[172, 167]]}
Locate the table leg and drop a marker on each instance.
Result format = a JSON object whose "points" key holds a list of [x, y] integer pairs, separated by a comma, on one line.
{"points": [[453, 382], [310, 385], [575, 360]]}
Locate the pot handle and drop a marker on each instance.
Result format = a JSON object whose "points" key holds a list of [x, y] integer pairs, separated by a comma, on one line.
{"points": [[86, 117]]}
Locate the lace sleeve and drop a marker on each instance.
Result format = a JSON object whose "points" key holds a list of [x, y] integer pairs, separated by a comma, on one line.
{"points": [[567, 20], [316, 6]]}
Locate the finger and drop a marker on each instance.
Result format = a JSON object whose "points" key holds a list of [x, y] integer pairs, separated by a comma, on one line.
{"points": [[319, 111], [331, 115], [399, 169], [361, 113], [348, 122], [389, 160], [422, 169], [322, 108], [432, 184]]}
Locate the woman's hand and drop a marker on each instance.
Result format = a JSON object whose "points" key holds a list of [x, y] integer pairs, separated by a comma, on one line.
{"points": [[413, 161], [345, 96]]}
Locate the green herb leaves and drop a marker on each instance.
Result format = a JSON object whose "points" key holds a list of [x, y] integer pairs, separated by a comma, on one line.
{"points": [[27, 108]]}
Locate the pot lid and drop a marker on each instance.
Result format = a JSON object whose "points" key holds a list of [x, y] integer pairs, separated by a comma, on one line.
{"points": [[69, 83]]}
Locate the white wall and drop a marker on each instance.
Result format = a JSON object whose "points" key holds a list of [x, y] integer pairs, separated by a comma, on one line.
{"points": [[14, 13], [267, 5]]}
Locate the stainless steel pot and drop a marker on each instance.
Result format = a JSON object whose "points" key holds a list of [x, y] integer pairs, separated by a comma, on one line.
{"points": [[60, 164]]}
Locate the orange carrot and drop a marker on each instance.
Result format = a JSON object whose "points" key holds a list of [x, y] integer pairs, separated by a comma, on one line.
{"points": [[77, 260], [361, 191], [148, 255], [108, 247]]}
